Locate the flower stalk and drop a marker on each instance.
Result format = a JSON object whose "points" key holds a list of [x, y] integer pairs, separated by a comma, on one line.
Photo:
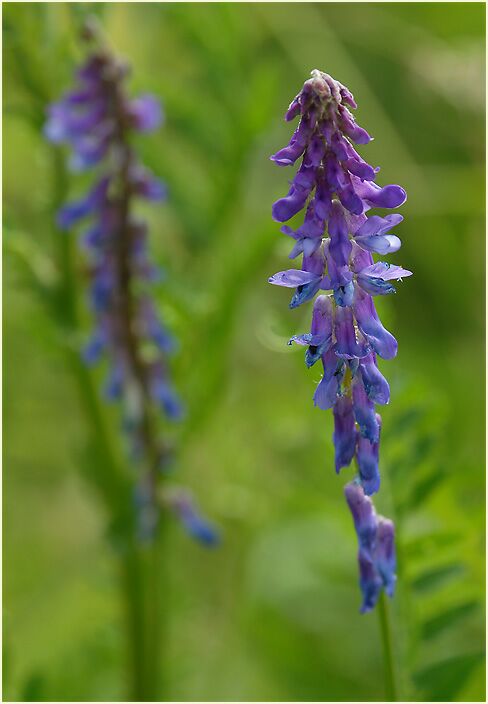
{"points": [[391, 690]]}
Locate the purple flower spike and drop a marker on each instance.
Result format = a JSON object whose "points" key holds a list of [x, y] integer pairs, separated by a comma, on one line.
{"points": [[97, 121], [337, 189]]}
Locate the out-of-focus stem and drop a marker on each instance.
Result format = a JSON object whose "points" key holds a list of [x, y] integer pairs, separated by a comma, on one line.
{"points": [[147, 639]]}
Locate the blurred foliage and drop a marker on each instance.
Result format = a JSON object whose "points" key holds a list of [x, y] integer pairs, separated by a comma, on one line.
{"points": [[272, 615]]}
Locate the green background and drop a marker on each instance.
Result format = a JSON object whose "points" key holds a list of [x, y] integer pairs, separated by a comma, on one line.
{"points": [[273, 613]]}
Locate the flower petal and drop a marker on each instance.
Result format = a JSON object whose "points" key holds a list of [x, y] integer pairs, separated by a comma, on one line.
{"points": [[370, 325], [376, 225], [291, 278], [382, 244], [344, 432], [376, 386], [367, 455], [385, 271], [385, 558], [364, 411]]}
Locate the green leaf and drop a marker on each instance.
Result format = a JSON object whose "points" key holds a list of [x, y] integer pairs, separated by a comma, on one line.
{"points": [[423, 488], [442, 681], [433, 578], [428, 544], [33, 689], [446, 619]]}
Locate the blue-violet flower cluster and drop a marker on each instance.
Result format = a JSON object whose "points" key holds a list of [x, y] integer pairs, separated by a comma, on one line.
{"points": [[97, 120], [336, 188]]}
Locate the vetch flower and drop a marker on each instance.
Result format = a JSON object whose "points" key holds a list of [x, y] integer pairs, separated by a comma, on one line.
{"points": [[319, 340], [337, 189], [96, 120], [375, 279]]}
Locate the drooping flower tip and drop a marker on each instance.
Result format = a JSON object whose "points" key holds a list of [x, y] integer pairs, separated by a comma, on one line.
{"points": [[376, 555], [385, 554], [370, 582]]}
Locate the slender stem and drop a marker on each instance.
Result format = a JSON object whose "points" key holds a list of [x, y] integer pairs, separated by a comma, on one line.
{"points": [[131, 583], [386, 638]]}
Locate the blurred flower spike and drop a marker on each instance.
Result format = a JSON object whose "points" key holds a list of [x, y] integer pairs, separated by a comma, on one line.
{"points": [[97, 119], [336, 188]]}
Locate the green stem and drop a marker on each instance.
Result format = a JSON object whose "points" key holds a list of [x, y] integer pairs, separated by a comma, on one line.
{"points": [[131, 583], [386, 638], [141, 581]]}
